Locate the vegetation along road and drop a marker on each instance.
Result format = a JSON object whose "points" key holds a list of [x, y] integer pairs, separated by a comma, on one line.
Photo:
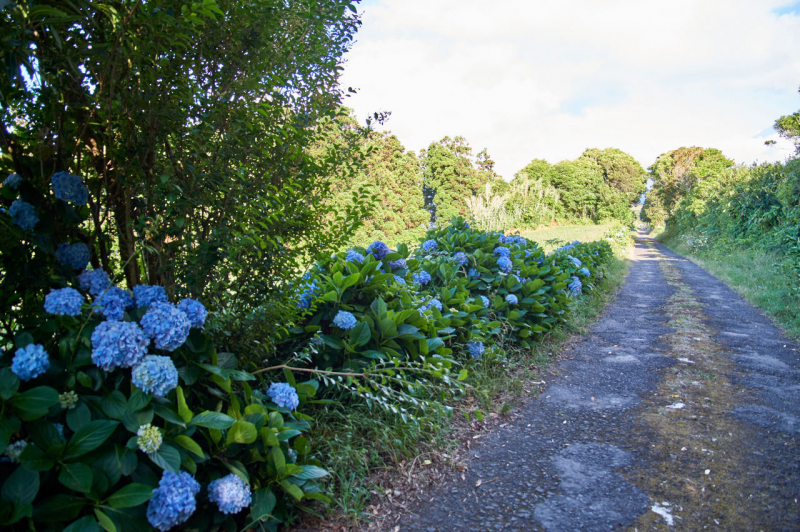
{"points": [[678, 410]]}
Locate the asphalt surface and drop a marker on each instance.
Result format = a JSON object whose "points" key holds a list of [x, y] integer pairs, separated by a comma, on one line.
{"points": [[680, 409]]}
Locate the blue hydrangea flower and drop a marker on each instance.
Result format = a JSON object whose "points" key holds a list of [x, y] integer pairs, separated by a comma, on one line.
{"points": [[145, 295], [422, 278], [575, 261], [13, 181], [14, 450], [173, 500], [167, 326], [69, 187], [460, 258], [502, 251], [431, 304], [60, 430], [113, 302], [231, 493], [195, 311], [155, 374], [30, 361], [429, 245], [473, 273], [73, 255], [475, 349], [584, 272], [505, 264], [64, 302], [575, 287], [485, 301], [284, 395], [308, 294], [94, 281], [354, 256], [344, 320], [378, 249], [23, 214], [118, 344], [397, 264], [399, 280], [511, 299]]}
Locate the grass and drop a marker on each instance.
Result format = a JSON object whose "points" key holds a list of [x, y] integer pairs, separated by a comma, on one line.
{"points": [[358, 442], [766, 280], [555, 237]]}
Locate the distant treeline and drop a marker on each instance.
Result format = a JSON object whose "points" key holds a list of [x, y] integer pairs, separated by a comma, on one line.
{"points": [[412, 190]]}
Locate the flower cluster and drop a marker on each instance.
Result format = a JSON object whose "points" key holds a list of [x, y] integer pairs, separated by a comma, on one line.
{"points": [[473, 273], [113, 302], [155, 374], [460, 258], [502, 251], [231, 493], [433, 303], [15, 449], [398, 264], [309, 293], [354, 256], [64, 302], [568, 246], [13, 181], [167, 326], [74, 255], [513, 240], [575, 261], [584, 272], [284, 395], [23, 214], [505, 264], [149, 438], [511, 299], [475, 349], [344, 320], [173, 500], [145, 295], [575, 287], [485, 301], [94, 281], [30, 361], [195, 311], [378, 249], [422, 278], [68, 399], [69, 187], [118, 344], [429, 245]]}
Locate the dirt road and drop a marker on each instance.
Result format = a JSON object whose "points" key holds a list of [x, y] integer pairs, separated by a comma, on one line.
{"points": [[680, 410]]}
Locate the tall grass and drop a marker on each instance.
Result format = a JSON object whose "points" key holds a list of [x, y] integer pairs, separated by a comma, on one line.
{"points": [[555, 237]]}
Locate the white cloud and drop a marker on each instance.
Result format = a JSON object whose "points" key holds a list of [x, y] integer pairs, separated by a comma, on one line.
{"points": [[534, 79]]}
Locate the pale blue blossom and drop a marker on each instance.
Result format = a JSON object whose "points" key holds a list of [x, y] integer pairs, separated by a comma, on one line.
{"points": [[195, 311], [13, 181], [230, 493], [167, 326], [118, 344], [75, 256], [113, 302], [69, 187], [422, 278], [30, 361], [505, 264], [378, 249], [354, 256], [344, 320], [94, 281], [429, 245], [146, 295], [475, 349], [155, 374], [460, 258], [64, 302], [173, 501], [284, 395], [511, 299], [23, 214]]}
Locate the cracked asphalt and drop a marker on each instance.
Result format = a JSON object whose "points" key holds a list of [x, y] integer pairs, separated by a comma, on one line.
{"points": [[680, 409]]}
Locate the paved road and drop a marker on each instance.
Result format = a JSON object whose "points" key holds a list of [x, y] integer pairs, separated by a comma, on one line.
{"points": [[680, 410]]}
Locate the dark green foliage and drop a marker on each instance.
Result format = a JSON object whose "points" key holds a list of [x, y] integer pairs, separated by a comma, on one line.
{"points": [[449, 175], [192, 127], [788, 127]]}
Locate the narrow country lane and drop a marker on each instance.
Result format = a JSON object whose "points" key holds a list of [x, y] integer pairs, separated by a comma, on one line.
{"points": [[680, 409]]}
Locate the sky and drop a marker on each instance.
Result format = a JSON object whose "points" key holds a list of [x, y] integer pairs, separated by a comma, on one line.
{"points": [[531, 79]]}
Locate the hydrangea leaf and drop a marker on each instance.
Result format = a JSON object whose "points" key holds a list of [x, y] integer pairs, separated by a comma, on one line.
{"points": [[242, 432], [213, 420], [9, 383], [35, 403], [90, 437], [77, 477]]}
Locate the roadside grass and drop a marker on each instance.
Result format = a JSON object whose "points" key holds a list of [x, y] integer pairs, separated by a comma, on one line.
{"points": [[555, 237], [358, 442], [766, 280]]}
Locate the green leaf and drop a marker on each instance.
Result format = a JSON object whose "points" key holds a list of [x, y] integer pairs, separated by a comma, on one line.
{"points": [[361, 334], [242, 432], [278, 459], [311, 472], [332, 341], [292, 489], [7, 428], [131, 495], [34, 459], [87, 523], [434, 343], [77, 477], [58, 508], [90, 437], [105, 521], [21, 487], [35, 402], [167, 457], [263, 503], [189, 444], [213, 420], [114, 405], [78, 417], [139, 400], [463, 374], [9, 383], [350, 280], [167, 412], [183, 408]]}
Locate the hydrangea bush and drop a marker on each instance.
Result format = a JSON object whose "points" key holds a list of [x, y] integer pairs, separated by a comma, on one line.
{"points": [[116, 410]]}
